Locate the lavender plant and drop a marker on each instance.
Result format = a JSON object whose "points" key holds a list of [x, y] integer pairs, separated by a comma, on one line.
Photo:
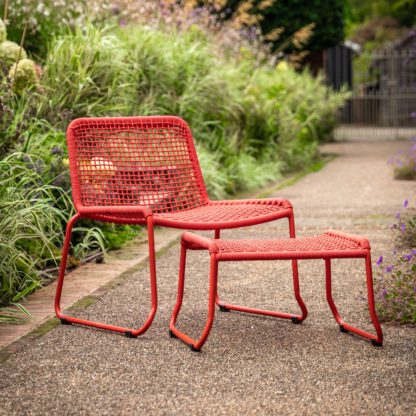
{"points": [[404, 162], [395, 283]]}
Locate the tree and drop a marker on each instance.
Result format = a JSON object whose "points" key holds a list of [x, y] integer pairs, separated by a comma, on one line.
{"points": [[404, 11], [292, 15]]}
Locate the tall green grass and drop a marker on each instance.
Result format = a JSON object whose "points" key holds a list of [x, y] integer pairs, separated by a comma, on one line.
{"points": [[30, 228], [255, 121], [251, 123], [85, 74]]}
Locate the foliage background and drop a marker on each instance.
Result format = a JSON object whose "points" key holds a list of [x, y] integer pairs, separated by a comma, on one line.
{"points": [[252, 120], [292, 15]]}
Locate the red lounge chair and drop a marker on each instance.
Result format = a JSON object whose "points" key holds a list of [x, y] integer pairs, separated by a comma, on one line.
{"points": [[145, 170]]}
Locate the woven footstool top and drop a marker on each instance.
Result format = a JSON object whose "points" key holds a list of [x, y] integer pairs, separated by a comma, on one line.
{"points": [[332, 244]]}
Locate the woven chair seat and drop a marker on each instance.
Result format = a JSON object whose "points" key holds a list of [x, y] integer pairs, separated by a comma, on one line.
{"points": [[224, 214], [216, 214]]}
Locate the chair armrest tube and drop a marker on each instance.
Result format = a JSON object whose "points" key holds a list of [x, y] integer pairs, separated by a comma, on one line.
{"points": [[197, 241], [116, 209]]}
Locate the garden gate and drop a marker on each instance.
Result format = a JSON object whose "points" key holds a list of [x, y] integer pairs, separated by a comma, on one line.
{"points": [[383, 92]]}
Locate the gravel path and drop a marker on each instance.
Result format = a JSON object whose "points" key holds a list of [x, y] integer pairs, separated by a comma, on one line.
{"points": [[250, 364]]}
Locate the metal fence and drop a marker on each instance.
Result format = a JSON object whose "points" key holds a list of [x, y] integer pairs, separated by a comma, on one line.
{"points": [[383, 100]]}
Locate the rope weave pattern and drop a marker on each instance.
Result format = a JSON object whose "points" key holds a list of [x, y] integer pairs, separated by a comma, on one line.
{"points": [[151, 162], [214, 212], [147, 161], [328, 242]]}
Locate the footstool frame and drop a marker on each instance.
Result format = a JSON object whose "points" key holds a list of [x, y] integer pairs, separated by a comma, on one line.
{"points": [[331, 245]]}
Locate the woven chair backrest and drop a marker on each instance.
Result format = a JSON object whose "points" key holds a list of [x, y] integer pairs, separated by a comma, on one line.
{"points": [[148, 161]]}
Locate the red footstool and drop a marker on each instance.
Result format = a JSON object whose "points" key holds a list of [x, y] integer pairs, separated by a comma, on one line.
{"points": [[331, 245]]}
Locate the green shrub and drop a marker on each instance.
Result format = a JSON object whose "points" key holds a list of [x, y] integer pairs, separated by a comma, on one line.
{"points": [[395, 289], [30, 226], [3, 31], [46, 18], [404, 162], [23, 75], [251, 117], [395, 282], [16, 114], [250, 121], [9, 53], [287, 114], [85, 75]]}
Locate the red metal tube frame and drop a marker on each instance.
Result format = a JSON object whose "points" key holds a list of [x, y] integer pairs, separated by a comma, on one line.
{"points": [[213, 299], [377, 339], [193, 242], [129, 332], [297, 319], [194, 345]]}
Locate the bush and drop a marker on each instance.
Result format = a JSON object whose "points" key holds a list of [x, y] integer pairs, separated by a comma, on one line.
{"points": [[23, 75], [15, 117], [85, 74], [3, 31], [250, 121], [404, 163], [9, 53], [250, 117], [30, 227], [328, 15], [46, 18], [395, 283]]}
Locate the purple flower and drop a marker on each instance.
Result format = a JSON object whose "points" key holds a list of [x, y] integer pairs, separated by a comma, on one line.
{"points": [[402, 227], [384, 293], [380, 260], [122, 23], [398, 215], [407, 257], [414, 251], [56, 150], [389, 268], [405, 203]]}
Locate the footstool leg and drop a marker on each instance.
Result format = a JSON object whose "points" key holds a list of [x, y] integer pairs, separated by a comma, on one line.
{"points": [[295, 271], [376, 340], [194, 345], [296, 319], [217, 296], [296, 288]]}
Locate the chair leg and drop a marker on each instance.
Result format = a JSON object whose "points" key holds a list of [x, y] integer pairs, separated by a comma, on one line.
{"points": [[377, 339], [194, 345], [295, 272], [129, 332], [296, 319]]}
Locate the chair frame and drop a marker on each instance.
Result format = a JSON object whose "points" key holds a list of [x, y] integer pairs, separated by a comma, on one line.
{"points": [[269, 210]]}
